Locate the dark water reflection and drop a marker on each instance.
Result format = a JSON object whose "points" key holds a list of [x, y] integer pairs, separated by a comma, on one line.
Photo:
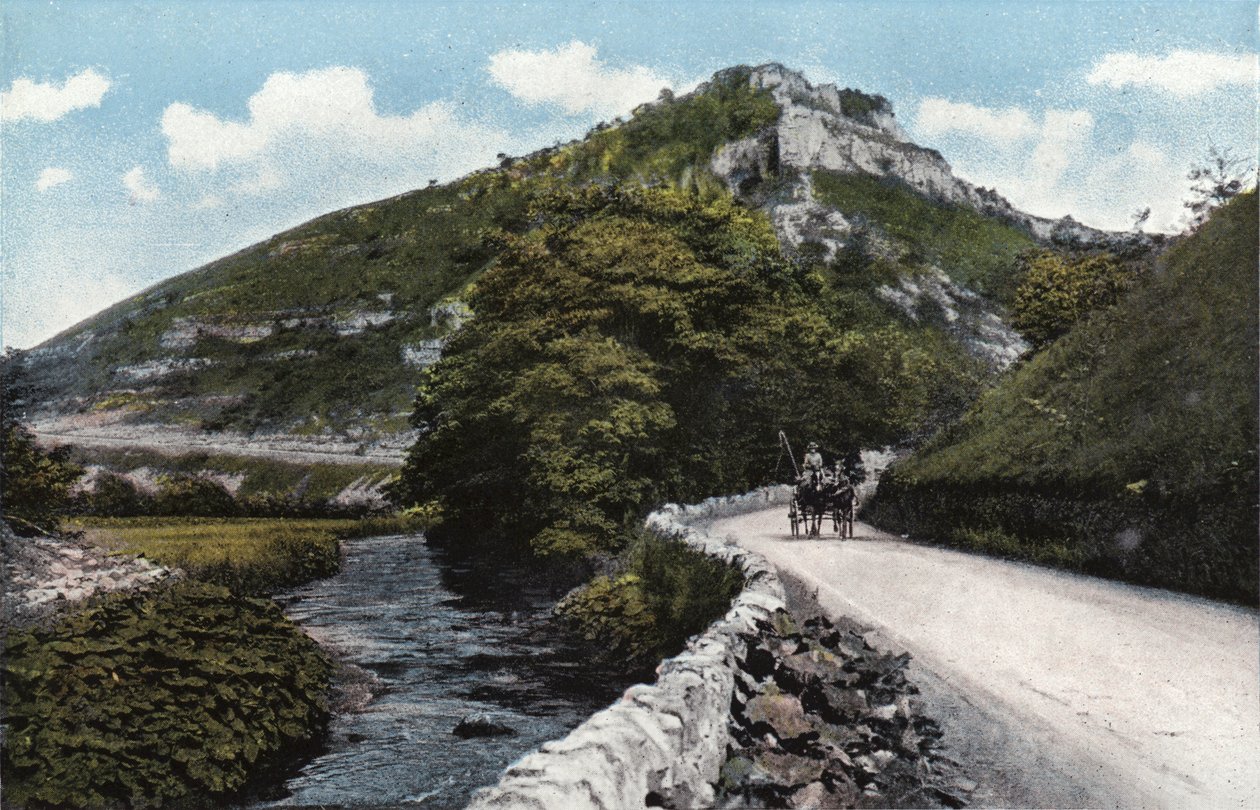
{"points": [[446, 639]]}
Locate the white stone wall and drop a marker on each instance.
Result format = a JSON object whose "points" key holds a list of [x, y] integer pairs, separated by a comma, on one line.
{"points": [[668, 738]]}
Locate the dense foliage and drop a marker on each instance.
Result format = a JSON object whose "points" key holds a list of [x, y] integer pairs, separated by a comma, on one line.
{"points": [[642, 345], [34, 483], [1128, 446], [1056, 291], [663, 593], [173, 698], [977, 251], [672, 140]]}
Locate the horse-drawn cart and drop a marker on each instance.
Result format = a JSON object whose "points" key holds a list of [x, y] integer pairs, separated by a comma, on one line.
{"points": [[819, 495], [817, 498]]}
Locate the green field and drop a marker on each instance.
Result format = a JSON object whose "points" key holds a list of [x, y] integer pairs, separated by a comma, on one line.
{"points": [[251, 556]]}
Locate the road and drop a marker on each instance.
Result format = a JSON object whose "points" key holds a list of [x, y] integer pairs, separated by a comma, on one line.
{"points": [[178, 442], [1059, 690]]}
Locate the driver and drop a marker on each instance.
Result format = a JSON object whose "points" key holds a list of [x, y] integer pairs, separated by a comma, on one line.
{"points": [[813, 459]]}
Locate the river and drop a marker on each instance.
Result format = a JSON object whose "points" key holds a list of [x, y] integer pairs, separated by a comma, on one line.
{"points": [[446, 639]]}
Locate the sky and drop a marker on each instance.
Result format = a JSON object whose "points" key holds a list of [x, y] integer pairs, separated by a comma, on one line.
{"points": [[142, 140]]}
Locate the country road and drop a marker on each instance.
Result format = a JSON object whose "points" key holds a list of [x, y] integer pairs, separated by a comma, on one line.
{"points": [[1058, 690], [169, 441]]}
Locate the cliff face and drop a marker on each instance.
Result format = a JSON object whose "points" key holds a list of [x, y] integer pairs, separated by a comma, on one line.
{"points": [[846, 131]]}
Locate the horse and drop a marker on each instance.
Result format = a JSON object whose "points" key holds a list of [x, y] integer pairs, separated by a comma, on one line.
{"points": [[842, 503], [812, 495], [818, 496]]}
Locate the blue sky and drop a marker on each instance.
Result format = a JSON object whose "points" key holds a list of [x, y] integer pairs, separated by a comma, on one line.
{"points": [[140, 140]]}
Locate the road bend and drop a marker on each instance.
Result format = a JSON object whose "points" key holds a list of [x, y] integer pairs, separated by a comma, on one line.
{"points": [[1054, 689]]}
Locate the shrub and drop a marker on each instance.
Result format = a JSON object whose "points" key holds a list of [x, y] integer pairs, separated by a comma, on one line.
{"points": [[664, 593], [115, 496], [1057, 291], [193, 496], [179, 696], [34, 483]]}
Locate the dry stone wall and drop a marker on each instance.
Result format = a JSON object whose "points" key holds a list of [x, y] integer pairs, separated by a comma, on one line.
{"points": [[667, 740]]}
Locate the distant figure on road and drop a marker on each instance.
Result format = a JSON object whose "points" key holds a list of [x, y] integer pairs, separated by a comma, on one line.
{"points": [[813, 459]]}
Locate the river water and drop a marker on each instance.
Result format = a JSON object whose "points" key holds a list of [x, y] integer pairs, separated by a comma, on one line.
{"points": [[445, 639]]}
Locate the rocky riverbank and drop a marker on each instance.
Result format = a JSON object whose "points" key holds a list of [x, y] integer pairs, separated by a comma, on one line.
{"points": [[45, 575]]}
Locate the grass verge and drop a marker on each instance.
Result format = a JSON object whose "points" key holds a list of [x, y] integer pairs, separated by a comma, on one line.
{"points": [[249, 556]]}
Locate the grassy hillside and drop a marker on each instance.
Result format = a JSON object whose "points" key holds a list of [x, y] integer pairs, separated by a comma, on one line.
{"points": [[977, 251], [1127, 447], [309, 331]]}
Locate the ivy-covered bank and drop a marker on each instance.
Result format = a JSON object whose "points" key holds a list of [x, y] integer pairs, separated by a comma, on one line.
{"points": [[177, 697]]}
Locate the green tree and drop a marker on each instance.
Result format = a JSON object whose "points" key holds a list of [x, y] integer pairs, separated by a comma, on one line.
{"points": [[34, 483], [1058, 290], [1220, 177]]}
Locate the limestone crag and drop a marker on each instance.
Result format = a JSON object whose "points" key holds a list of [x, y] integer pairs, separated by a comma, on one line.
{"points": [[43, 575], [817, 129], [965, 314]]}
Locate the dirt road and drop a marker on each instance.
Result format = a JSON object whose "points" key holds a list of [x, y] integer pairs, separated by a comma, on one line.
{"points": [[177, 442], [1059, 690]]}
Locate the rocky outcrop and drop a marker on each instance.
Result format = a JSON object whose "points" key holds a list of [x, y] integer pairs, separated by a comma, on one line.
{"points": [[43, 575], [665, 743], [847, 131]]}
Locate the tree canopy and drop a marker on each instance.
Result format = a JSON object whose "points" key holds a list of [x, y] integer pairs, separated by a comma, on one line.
{"points": [[642, 345]]}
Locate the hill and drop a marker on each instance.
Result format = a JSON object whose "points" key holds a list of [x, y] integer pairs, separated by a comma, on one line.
{"points": [[1128, 446], [323, 331]]}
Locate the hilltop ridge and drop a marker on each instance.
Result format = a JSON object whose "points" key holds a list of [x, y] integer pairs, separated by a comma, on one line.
{"points": [[322, 331]]}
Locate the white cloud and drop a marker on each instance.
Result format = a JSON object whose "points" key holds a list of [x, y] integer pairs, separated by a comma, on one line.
{"points": [[1064, 133], [937, 116], [317, 141], [1181, 73], [40, 101], [266, 179], [208, 201], [200, 140], [571, 77], [139, 187], [51, 177]]}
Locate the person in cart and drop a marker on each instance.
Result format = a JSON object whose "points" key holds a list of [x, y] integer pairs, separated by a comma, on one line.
{"points": [[813, 459]]}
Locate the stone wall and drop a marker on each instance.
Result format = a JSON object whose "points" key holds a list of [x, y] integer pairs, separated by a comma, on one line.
{"points": [[669, 738]]}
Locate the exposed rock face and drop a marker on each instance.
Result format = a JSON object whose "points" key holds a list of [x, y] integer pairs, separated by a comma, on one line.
{"points": [[814, 131], [45, 574], [966, 315], [822, 128]]}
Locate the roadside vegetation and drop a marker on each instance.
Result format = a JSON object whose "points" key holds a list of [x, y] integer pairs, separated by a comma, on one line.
{"points": [[661, 593], [1126, 447]]}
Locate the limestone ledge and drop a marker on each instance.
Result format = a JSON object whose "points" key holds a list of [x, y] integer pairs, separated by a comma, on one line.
{"points": [[669, 739]]}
